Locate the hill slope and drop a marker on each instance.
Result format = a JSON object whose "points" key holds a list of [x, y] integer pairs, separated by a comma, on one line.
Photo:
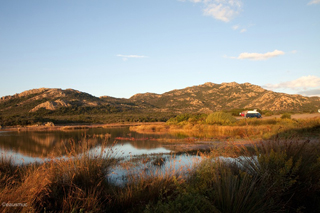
{"points": [[50, 99], [214, 97], [205, 98]]}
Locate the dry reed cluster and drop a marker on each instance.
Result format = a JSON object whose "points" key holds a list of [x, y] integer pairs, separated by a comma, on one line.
{"points": [[275, 175], [242, 129], [61, 185]]}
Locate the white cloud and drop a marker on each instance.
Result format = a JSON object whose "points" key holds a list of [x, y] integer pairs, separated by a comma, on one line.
{"points": [[223, 10], [259, 56], [125, 57], [243, 30], [238, 27], [314, 2], [310, 93], [294, 51], [235, 27], [303, 82]]}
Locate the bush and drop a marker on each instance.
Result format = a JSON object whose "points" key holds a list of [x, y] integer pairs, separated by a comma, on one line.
{"points": [[286, 116], [187, 118], [290, 172], [269, 113], [182, 202], [221, 118]]}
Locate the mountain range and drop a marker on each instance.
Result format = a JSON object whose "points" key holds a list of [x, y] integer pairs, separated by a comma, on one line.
{"points": [[203, 98]]}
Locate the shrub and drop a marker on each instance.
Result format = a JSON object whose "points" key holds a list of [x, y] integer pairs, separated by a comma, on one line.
{"points": [[228, 188], [289, 173], [221, 118], [182, 202], [268, 113], [187, 118], [286, 116]]}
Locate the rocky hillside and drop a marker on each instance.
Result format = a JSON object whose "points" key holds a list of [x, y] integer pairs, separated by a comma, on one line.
{"points": [[50, 99], [204, 98], [214, 97]]}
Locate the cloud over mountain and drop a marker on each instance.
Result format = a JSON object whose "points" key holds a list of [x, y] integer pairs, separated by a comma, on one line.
{"points": [[303, 82], [313, 92]]}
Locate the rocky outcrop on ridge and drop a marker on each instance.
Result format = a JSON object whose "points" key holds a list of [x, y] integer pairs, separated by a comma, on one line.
{"points": [[203, 98]]}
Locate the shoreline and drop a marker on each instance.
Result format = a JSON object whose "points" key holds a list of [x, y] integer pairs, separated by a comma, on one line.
{"points": [[64, 127]]}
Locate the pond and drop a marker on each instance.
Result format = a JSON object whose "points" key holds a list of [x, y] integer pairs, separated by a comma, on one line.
{"points": [[161, 166], [141, 154], [38, 146]]}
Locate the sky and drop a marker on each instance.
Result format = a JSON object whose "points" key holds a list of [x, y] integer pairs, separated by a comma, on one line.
{"points": [[124, 47]]}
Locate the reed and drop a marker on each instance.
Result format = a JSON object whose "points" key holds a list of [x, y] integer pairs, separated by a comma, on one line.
{"points": [[269, 176], [289, 172], [276, 176], [242, 129], [150, 184], [150, 128], [73, 183]]}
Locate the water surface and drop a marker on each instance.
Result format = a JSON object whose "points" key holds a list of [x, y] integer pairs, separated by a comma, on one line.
{"points": [[37, 146]]}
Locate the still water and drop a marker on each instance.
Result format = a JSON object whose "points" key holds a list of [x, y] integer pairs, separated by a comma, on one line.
{"points": [[33, 146]]}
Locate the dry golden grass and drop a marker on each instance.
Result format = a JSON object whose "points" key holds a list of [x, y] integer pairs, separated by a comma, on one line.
{"points": [[73, 183], [271, 176], [151, 182], [151, 128], [207, 131], [243, 129]]}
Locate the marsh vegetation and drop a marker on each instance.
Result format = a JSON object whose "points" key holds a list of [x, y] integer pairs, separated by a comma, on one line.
{"points": [[224, 126], [277, 171], [270, 176]]}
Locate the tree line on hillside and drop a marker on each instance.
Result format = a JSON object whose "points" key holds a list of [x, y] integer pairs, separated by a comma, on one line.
{"points": [[112, 114]]}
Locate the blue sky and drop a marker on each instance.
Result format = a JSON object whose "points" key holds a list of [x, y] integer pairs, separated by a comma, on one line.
{"points": [[120, 48]]}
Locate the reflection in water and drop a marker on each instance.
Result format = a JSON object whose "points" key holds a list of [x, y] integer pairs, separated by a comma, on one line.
{"points": [[173, 165], [117, 151], [52, 144], [127, 150], [30, 147], [37, 144], [17, 158]]}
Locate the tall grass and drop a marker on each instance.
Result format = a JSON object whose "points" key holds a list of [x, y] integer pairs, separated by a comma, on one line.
{"points": [[211, 131], [271, 176], [279, 176], [242, 129], [153, 183], [291, 170], [64, 185]]}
